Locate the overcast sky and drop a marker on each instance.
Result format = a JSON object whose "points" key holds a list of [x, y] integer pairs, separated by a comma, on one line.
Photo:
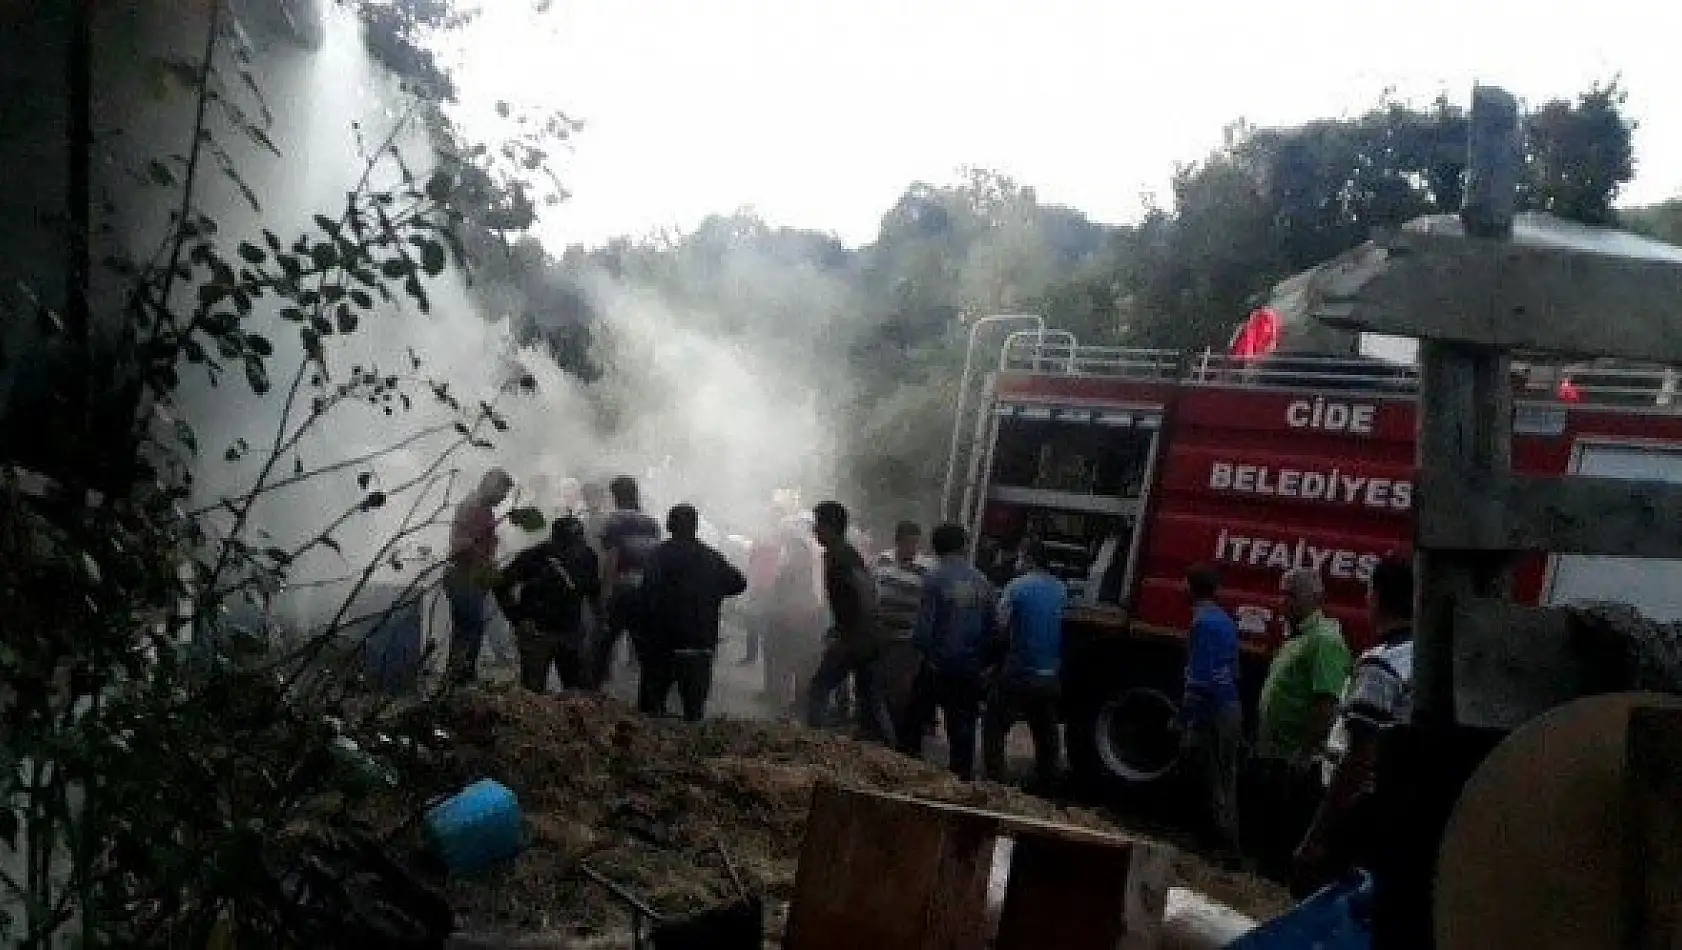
{"points": [[818, 113]]}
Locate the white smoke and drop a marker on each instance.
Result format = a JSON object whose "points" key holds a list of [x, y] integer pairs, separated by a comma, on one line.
{"points": [[715, 419]]}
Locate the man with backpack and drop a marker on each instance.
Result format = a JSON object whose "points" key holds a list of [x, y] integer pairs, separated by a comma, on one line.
{"points": [[628, 539], [545, 593]]}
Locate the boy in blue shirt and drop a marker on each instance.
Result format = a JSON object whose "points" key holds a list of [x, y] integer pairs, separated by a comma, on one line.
{"points": [[1031, 619], [1210, 715]]}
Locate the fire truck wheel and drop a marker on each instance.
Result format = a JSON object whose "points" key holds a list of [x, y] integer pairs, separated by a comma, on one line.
{"points": [[1132, 737]]}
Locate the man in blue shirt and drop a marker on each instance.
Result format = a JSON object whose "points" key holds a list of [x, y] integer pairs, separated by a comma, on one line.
{"points": [[1031, 619], [1210, 715], [954, 623]]}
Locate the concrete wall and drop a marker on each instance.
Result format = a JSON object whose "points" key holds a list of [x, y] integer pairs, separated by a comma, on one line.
{"points": [[35, 152]]}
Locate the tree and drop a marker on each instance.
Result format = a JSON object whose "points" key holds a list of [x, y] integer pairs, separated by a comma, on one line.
{"points": [[1579, 154], [1272, 202], [164, 782]]}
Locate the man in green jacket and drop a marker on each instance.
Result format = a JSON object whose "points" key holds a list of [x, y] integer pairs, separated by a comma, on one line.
{"points": [[1298, 705]]}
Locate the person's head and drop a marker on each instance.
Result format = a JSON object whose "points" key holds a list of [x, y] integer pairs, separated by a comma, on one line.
{"points": [[569, 494], [495, 486], [1031, 555], [829, 523], [541, 484], [625, 494], [1390, 592], [907, 536], [567, 531], [594, 494], [1202, 583], [785, 503], [949, 540], [1304, 593], [683, 522]]}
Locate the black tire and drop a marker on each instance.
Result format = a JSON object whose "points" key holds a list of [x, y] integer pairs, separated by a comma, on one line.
{"points": [[1122, 744]]}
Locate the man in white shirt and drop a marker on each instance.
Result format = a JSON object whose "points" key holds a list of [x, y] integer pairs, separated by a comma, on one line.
{"points": [[1379, 695]]}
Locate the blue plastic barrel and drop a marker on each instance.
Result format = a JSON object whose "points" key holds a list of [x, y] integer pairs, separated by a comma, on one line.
{"points": [[476, 828], [1334, 918]]}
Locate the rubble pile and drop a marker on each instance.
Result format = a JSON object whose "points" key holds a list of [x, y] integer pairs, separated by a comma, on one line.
{"points": [[1621, 649], [644, 801]]}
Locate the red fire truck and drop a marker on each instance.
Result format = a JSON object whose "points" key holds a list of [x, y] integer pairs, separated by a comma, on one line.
{"points": [[1130, 465]]}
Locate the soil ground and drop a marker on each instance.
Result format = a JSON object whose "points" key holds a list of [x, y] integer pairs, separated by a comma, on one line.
{"points": [[643, 800]]}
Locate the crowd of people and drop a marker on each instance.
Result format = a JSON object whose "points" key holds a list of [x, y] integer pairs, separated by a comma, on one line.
{"points": [[899, 644], [909, 643], [1309, 783]]}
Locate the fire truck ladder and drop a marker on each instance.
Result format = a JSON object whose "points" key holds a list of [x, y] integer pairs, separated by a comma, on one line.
{"points": [[984, 432]]}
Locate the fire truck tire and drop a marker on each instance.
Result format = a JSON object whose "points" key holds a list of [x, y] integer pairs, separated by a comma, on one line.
{"points": [[1130, 738]]}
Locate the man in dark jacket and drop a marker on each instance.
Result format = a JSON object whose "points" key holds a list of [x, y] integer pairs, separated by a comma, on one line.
{"points": [[954, 627], [684, 587], [855, 642], [628, 537], [544, 592]]}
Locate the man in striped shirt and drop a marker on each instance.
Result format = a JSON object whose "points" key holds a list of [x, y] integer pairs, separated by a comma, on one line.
{"points": [[899, 583], [899, 595], [1348, 829]]}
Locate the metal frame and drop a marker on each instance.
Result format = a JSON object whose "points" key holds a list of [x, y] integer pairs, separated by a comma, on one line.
{"points": [[963, 397], [1135, 545], [983, 484], [1656, 388]]}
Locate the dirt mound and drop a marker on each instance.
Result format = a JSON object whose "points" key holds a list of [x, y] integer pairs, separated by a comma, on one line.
{"points": [[644, 800]]}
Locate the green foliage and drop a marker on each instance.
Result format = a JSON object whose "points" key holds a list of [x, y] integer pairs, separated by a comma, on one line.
{"points": [[398, 34], [527, 519], [1579, 154], [1661, 222], [1273, 202], [186, 775]]}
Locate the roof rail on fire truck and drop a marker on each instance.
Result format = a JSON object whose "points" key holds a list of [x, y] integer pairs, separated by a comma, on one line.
{"points": [[1598, 383], [1057, 353]]}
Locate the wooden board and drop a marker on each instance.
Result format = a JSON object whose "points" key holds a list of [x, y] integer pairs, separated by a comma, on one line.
{"points": [[890, 872], [1653, 832], [884, 873], [1533, 854], [1507, 296], [1056, 894], [1465, 421], [1477, 511]]}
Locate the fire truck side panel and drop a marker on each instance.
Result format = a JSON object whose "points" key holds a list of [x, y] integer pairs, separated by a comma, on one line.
{"points": [[1257, 480]]}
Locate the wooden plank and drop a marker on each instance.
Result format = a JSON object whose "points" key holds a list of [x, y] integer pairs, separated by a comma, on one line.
{"points": [[867, 874], [957, 910], [1520, 297], [1511, 663], [1473, 511], [1653, 830], [1065, 894], [1494, 163], [1465, 422], [1007, 825]]}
